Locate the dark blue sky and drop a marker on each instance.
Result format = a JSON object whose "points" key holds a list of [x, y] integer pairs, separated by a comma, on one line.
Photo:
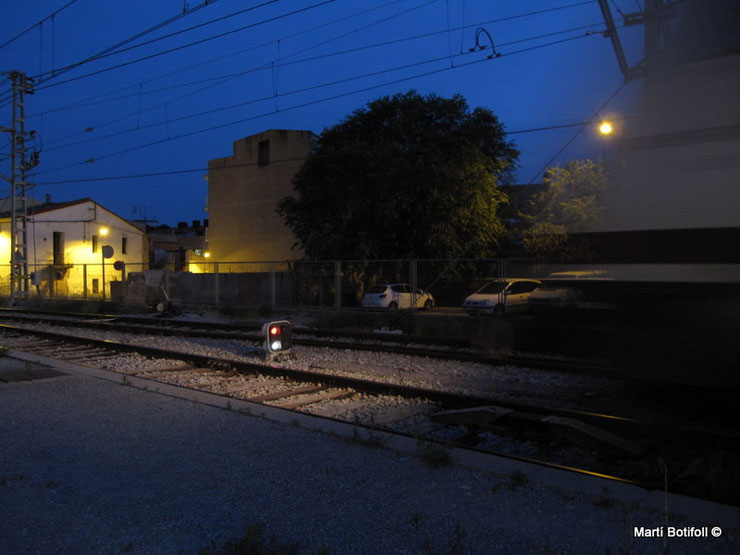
{"points": [[174, 102]]}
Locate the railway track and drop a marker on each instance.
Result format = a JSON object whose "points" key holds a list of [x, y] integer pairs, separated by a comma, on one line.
{"points": [[449, 349], [615, 448]]}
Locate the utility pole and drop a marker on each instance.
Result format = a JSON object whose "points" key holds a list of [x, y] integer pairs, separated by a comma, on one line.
{"points": [[21, 162]]}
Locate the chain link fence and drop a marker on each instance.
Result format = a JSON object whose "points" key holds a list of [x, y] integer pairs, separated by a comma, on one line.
{"points": [[300, 284]]}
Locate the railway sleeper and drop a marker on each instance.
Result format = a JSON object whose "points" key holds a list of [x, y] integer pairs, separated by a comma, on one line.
{"points": [[510, 422], [287, 393]]}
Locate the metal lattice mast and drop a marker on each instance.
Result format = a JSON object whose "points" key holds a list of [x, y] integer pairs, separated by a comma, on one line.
{"points": [[18, 186]]}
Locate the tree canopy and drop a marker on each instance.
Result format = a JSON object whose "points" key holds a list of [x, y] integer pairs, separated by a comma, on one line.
{"points": [[407, 176], [569, 203]]}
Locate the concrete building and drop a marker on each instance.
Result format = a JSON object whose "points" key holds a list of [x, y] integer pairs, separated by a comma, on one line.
{"points": [[65, 243], [243, 192]]}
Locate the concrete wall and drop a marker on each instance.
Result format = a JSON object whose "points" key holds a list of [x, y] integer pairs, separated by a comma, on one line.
{"points": [[243, 195]]}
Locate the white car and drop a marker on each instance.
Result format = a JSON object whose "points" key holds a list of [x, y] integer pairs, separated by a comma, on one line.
{"points": [[498, 296], [396, 295]]}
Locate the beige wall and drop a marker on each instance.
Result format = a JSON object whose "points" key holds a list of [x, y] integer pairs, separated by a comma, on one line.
{"points": [[243, 224]]}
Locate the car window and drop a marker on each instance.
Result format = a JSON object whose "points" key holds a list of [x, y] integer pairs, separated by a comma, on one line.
{"points": [[376, 289], [529, 286], [518, 288], [492, 288], [397, 288]]}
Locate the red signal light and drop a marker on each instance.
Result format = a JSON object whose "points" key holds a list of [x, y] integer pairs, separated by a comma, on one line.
{"points": [[274, 330]]}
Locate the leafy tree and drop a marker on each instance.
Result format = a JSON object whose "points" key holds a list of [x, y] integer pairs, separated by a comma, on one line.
{"points": [[406, 176], [569, 203]]}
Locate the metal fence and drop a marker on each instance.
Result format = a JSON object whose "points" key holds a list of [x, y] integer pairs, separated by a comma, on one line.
{"points": [[310, 284]]}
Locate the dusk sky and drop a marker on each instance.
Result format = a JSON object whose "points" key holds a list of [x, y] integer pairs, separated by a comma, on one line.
{"points": [[172, 90]]}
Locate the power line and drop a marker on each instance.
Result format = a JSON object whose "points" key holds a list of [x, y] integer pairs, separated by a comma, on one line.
{"points": [[241, 165], [40, 22], [317, 101], [163, 173], [55, 72], [288, 93], [582, 127], [183, 46], [112, 51], [105, 51], [159, 77], [264, 67], [223, 79]]}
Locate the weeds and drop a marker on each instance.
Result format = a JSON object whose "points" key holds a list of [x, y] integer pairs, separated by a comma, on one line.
{"points": [[516, 480], [434, 455], [455, 545], [254, 542], [604, 502]]}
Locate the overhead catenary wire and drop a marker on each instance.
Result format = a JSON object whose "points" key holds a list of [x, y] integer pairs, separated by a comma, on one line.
{"points": [[38, 23], [188, 45], [190, 10], [297, 91], [509, 18], [87, 101], [48, 75], [284, 62], [317, 101], [121, 47], [223, 79]]}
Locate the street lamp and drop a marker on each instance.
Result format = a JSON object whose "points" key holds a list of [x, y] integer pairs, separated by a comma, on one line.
{"points": [[605, 128]]}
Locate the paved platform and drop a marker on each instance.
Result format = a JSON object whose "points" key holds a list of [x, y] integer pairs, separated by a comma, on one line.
{"points": [[95, 462]]}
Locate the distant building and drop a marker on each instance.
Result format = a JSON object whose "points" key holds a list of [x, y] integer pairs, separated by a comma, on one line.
{"points": [[243, 192], [181, 248], [65, 242]]}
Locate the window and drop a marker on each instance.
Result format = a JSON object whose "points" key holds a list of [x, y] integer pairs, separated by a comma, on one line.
{"points": [[95, 286], [58, 248], [124, 244], [95, 243], [263, 153]]}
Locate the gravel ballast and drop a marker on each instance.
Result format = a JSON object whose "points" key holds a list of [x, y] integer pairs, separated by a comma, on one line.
{"points": [[92, 466]]}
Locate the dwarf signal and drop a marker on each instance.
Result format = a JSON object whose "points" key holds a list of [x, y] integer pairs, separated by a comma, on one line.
{"points": [[278, 337]]}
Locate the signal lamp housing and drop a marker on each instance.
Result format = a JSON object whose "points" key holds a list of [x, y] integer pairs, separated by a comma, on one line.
{"points": [[278, 337]]}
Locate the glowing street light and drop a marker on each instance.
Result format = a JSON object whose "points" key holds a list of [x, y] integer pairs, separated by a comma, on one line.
{"points": [[104, 231], [605, 128]]}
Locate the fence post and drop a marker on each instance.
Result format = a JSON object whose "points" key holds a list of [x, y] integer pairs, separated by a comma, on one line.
{"points": [[216, 293], [338, 282], [51, 280], [273, 286], [84, 282], [413, 282]]}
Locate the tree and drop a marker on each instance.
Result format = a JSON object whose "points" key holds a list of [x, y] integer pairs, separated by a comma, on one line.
{"points": [[407, 176], [569, 203]]}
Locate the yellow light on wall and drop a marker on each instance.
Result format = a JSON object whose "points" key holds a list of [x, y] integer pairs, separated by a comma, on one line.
{"points": [[206, 254], [605, 128], [104, 231]]}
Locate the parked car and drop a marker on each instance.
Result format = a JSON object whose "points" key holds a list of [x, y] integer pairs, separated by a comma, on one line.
{"points": [[395, 295], [501, 295], [558, 291]]}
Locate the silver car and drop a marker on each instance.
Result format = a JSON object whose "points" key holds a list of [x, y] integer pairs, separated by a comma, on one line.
{"points": [[498, 296]]}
